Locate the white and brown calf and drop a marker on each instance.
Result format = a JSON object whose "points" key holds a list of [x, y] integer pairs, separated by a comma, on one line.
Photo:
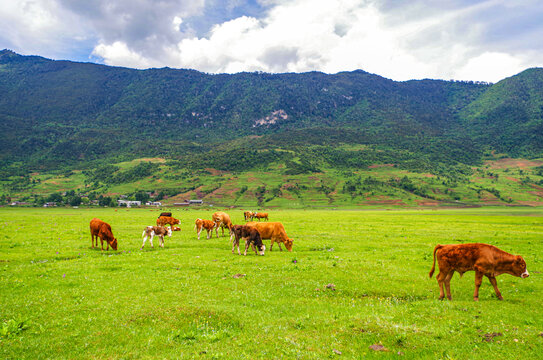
{"points": [[152, 231]]}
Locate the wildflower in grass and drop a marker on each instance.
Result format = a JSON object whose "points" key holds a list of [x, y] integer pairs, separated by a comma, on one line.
{"points": [[294, 261]]}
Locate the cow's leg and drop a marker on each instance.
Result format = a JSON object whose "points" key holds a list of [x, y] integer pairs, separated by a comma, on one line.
{"points": [[144, 240], [478, 281], [209, 232], [235, 243], [92, 241], [448, 284], [279, 244], [151, 239], [440, 278], [101, 244], [271, 244], [199, 231], [246, 246], [161, 241], [495, 285]]}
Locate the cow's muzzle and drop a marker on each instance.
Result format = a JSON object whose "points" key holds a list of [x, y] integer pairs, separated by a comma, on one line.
{"points": [[525, 274]]}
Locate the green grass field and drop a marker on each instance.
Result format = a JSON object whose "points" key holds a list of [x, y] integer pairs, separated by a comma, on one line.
{"points": [[61, 299]]}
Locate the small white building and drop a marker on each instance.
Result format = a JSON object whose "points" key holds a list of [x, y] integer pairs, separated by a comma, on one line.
{"points": [[128, 203], [153, 203]]}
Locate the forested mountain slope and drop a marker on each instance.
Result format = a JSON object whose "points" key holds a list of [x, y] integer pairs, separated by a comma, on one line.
{"points": [[62, 115]]}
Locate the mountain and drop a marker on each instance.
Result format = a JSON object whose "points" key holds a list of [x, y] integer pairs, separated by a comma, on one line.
{"points": [[63, 115]]}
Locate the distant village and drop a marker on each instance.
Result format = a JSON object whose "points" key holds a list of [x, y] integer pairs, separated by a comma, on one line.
{"points": [[121, 202]]}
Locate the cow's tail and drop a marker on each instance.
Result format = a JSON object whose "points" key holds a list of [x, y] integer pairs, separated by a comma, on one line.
{"points": [[434, 264]]}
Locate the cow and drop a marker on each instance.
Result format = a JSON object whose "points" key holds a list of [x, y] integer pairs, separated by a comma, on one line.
{"points": [[102, 230], [200, 224], [252, 237], [163, 220], [260, 215], [274, 231], [485, 260], [248, 215], [175, 228], [169, 214], [152, 231], [222, 219]]}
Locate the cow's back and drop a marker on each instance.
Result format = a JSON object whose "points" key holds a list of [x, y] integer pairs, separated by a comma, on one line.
{"points": [[463, 257], [222, 217], [267, 230], [95, 226]]}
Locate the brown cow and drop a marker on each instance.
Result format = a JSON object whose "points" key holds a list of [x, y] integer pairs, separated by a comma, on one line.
{"points": [[102, 230], [163, 220], [274, 231], [261, 215], [222, 219], [484, 259], [200, 224], [248, 215], [252, 237], [152, 231]]}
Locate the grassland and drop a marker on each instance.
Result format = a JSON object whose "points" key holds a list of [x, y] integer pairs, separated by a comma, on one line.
{"points": [[61, 299]]}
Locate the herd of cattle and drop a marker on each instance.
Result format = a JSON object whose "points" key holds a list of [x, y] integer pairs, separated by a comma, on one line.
{"points": [[485, 260]]}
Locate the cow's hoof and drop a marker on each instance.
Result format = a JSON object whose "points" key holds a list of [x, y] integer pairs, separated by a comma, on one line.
{"points": [[475, 299], [500, 297]]}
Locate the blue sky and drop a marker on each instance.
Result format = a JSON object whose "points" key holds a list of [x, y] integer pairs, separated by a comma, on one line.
{"points": [[450, 39]]}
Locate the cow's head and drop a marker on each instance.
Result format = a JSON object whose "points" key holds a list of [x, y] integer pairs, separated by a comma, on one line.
{"points": [[261, 249], [519, 267], [288, 244], [175, 221], [113, 244], [169, 231]]}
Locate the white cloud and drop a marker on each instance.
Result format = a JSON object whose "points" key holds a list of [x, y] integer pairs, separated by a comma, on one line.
{"points": [[491, 67], [398, 40], [119, 54], [177, 21]]}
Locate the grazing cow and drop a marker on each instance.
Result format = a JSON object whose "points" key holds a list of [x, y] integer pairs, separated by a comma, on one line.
{"points": [[260, 215], [200, 224], [222, 219], [169, 214], [102, 230], [152, 231], [485, 260], [252, 237], [175, 228], [274, 231], [248, 215], [163, 220]]}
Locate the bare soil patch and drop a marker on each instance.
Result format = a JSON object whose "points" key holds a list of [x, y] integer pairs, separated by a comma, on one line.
{"points": [[374, 166], [513, 163], [427, 202]]}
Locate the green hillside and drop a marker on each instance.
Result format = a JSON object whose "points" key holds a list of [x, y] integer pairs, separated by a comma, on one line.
{"points": [[308, 139]]}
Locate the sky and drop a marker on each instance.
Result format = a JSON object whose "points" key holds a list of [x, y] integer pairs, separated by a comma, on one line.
{"points": [[474, 40]]}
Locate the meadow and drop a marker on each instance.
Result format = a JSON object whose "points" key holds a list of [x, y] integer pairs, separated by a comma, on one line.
{"points": [[355, 286]]}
